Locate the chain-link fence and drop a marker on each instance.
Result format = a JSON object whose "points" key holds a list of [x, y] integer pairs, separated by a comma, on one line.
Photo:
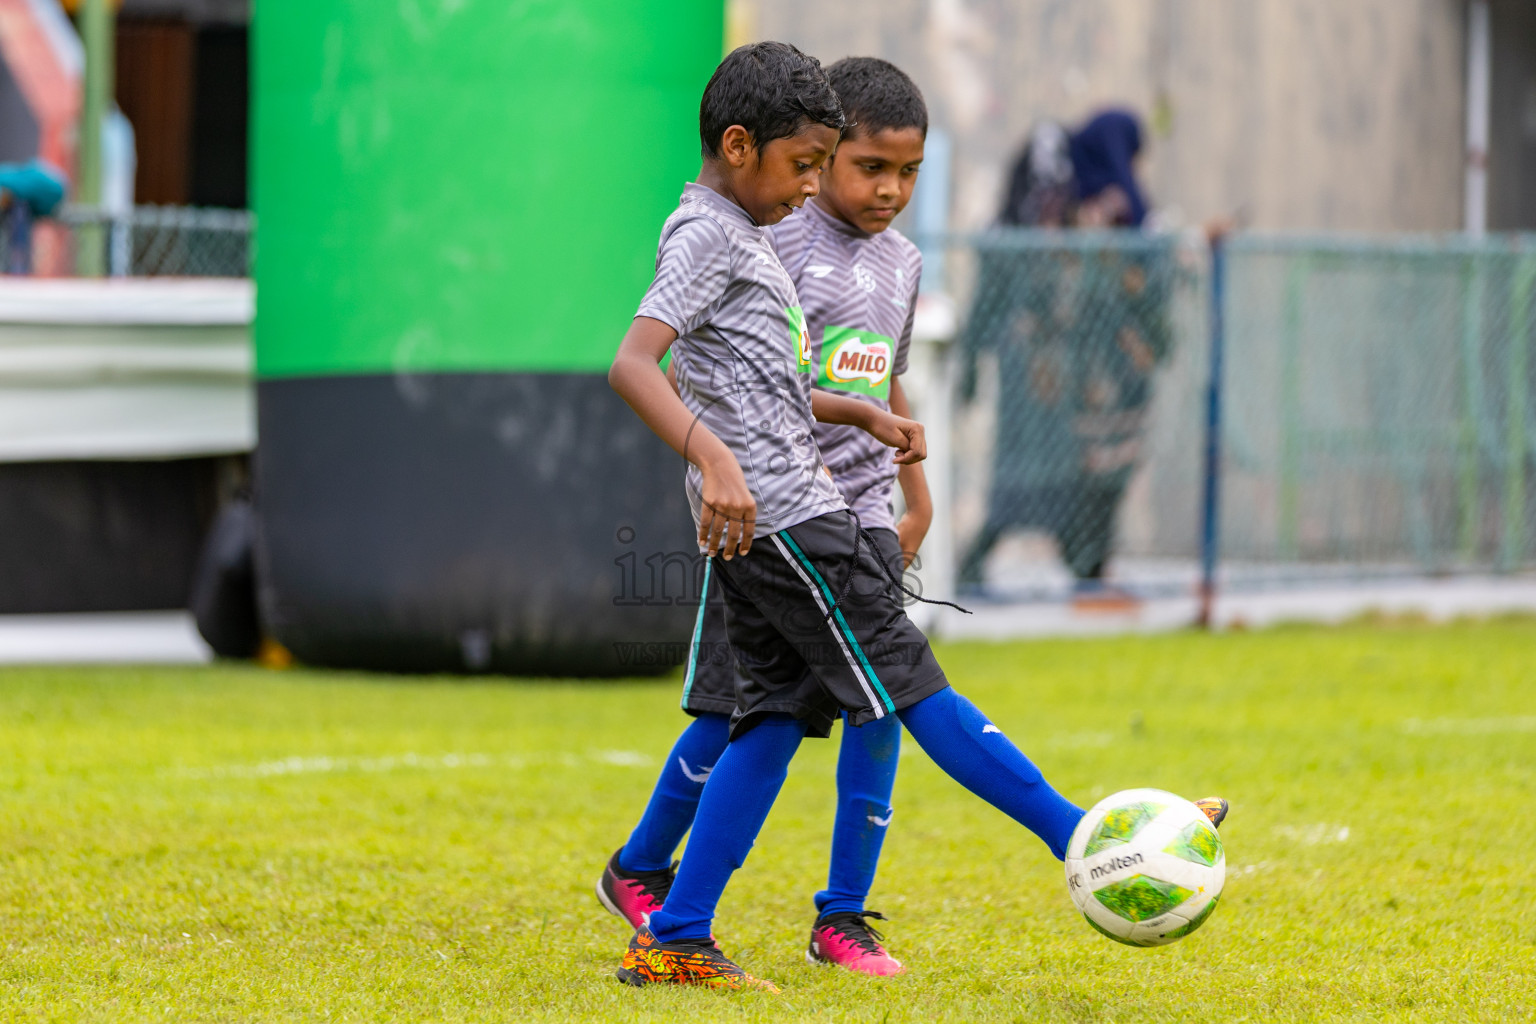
{"points": [[147, 241], [1379, 398], [1379, 410], [1379, 401], [1077, 433]]}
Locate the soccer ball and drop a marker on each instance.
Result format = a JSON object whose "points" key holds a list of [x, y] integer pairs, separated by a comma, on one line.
{"points": [[1145, 867]]}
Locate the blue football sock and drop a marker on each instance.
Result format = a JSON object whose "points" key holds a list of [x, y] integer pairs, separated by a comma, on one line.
{"points": [[866, 773], [976, 754], [670, 813], [741, 791]]}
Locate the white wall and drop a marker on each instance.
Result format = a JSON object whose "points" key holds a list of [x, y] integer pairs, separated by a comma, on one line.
{"points": [[1307, 114]]}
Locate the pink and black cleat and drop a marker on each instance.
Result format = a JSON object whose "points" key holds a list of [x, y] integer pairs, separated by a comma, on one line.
{"points": [[633, 895], [846, 939]]}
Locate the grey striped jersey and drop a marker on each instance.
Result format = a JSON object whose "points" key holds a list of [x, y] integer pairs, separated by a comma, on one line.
{"points": [[742, 356], [858, 291]]}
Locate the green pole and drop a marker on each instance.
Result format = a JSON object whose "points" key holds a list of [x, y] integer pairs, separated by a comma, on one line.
{"points": [[1290, 408], [96, 28], [1468, 448], [1513, 549]]}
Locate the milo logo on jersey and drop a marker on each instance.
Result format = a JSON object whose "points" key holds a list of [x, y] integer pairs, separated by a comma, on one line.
{"points": [[857, 361], [800, 338]]}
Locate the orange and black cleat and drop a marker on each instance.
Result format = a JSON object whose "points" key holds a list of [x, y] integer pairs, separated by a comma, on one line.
{"points": [[649, 962], [1215, 808]]}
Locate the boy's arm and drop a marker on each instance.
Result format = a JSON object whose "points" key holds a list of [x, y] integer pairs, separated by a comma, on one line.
{"points": [[729, 514], [914, 489], [903, 434]]}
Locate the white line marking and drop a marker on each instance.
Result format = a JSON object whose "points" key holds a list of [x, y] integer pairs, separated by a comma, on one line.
{"points": [[1315, 835], [1469, 726], [327, 765]]}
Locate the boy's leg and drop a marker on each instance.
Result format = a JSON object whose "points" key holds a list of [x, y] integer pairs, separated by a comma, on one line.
{"points": [[976, 754], [878, 663], [866, 774], [784, 616], [740, 792], [635, 881], [637, 878], [669, 814], [709, 693], [785, 701]]}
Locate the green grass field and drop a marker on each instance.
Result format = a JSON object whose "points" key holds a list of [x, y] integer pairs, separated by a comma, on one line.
{"points": [[230, 844]]}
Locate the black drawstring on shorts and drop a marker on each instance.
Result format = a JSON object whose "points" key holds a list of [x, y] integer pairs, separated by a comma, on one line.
{"points": [[859, 535]]}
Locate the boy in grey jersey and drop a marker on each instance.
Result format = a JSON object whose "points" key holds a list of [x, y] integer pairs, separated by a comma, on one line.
{"points": [[857, 279], [739, 366], [857, 284], [803, 632]]}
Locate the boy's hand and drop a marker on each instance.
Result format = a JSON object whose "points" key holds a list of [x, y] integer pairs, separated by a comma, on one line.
{"points": [[729, 516], [910, 531], [905, 435], [914, 489]]}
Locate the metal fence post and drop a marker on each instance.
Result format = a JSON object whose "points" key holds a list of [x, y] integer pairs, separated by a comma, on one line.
{"points": [[1290, 407], [119, 246], [1470, 446], [1210, 534], [1512, 548], [96, 28]]}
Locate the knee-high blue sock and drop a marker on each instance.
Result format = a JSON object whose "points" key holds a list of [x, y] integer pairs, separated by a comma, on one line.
{"points": [[669, 814], [866, 774], [741, 790], [976, 754]]}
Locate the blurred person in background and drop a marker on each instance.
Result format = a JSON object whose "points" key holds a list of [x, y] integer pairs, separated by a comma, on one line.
{"points": [[1076, 334], [27, 191]]}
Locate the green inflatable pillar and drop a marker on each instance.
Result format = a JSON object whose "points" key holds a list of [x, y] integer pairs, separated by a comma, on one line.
{"points": [[458, 207]]}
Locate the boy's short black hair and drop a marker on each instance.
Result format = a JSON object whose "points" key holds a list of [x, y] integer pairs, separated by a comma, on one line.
{"points": [[877, 95], [770, 89]]}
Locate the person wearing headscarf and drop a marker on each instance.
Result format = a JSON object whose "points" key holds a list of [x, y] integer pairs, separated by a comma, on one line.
{"points": [[1103, 156], [1075, 334], [27, 191]]}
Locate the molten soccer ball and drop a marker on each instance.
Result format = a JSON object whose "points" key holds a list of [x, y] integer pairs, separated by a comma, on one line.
{"points": [[1145, 867]]}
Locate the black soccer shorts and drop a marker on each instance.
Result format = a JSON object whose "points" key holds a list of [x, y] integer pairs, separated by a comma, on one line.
{"points": [[815, 627], [711, 676]]}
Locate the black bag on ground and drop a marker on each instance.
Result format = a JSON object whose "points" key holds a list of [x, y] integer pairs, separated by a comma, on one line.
{"points": [[224, 585]]}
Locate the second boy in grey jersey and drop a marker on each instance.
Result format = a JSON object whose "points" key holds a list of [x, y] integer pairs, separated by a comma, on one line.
{"points": [[858, 291]]}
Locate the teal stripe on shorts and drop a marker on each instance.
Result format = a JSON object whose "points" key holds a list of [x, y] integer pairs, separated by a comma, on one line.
{"points": [[837, 614], [698, 635]]}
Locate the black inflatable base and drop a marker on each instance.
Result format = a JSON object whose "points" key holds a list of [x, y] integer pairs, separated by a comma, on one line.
{"points": [[510, 523], [100, 536]]}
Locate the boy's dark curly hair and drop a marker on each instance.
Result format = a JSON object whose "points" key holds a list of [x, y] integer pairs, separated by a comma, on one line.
{"points": [[770, 89], [877, 95]]}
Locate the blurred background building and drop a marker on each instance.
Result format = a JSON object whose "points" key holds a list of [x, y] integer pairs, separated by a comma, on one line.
{"points": [[1298, 114], [126, 407], [183, 82]]}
